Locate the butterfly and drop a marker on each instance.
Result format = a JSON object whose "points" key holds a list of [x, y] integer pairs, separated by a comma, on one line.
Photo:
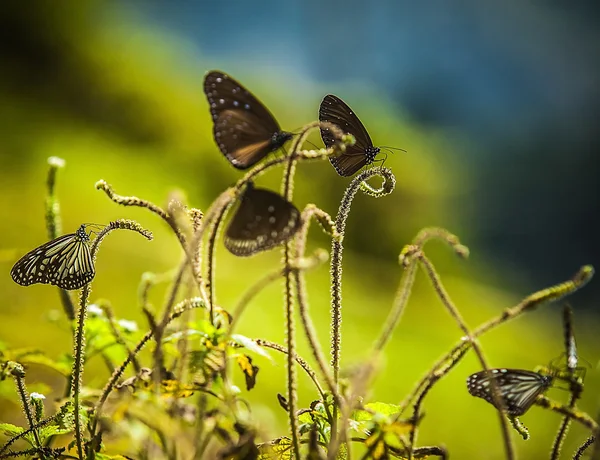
{"points": [[244, 129], [263, 220], [336, 111], [65, 262], [517, 388]]}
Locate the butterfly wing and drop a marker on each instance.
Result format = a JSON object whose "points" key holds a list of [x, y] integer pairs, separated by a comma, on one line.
{"points": [[336, 111], [65, 262], [263, 220], [518, 388], [244, 129], [242, 138]]}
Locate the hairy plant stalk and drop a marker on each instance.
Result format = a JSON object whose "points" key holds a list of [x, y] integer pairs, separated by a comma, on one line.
{"points": [[578, 416], [214, 231], [445, 298], [223, 201], [119, 337], [551, 294], [54, 226], [289, 315], [530, 302], [337, 250], [310, 212], [18, 374], [400, 300], [31, 429], [302, 155], [358, 183], [141, 203], [588, 442], [179, 309], [77, 373], [575, 390], [303, 364]]}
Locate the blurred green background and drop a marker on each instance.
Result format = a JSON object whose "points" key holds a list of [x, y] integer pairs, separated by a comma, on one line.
{"points": [[116, 90]]}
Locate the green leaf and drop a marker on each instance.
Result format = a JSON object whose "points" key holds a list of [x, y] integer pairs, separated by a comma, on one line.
{"points": [[277, 449], [375, 410], [10, 430], [250, 344], [100, 456], [44, 360]]}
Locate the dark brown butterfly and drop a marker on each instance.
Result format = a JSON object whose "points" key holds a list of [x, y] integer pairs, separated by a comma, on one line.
{"points": [[65, 262], [263, 220], [336, 111], [517, 388], [244, 129]]}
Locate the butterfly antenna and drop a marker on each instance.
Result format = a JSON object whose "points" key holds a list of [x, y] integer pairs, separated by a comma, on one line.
{"points": [[382, 160], [313, 145], [393, 148]]}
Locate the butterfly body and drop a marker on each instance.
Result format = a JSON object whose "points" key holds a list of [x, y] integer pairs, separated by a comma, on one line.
{"points": [[243, 128], [362, 153], [517, 388], [65, 262], [263, 220]]}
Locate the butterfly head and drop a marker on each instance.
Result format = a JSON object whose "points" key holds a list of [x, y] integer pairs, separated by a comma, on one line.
{"points": [[279, 138], [370, 154], [82, 234]]}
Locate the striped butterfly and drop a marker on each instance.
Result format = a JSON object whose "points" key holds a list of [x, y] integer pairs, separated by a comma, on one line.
{"points": [[517, 388], [65, 262]]}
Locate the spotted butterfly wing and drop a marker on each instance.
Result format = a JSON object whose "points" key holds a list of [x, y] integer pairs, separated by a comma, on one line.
{"points": [[518, 388], [362, 153], [244, 129], [65, 262], [263, 220]]}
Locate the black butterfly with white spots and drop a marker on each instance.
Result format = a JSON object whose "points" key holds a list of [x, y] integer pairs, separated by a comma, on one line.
{"points": [[263, 220], [362, 153], [244, 129]]}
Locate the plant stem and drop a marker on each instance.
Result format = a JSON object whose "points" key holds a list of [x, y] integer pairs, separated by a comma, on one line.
{"points": [[77, 373]]}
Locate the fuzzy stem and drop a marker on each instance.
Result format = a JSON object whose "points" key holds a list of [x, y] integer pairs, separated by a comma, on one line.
{"points": [[37, 426], [54, 224], [287, 192], [139, 202], [302, 155], [303, 364], [213, 234], [18, 373], [119, 337], [178, 310], [571, 353], [324, 219], [77, 373], [588, 442], [400, 301], [218, 207], [445, 298], [551, 294], [576, 415], [289, 313], [530, 302], [337, 249]]}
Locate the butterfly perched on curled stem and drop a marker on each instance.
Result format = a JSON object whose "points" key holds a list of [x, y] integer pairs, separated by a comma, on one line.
{"points": [[362, 153], [263, 220], [517, 388], [244, 129], [65, 262]]}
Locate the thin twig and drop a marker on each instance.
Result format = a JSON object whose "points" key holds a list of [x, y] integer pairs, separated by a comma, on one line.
{"points": [[445, 298]]}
